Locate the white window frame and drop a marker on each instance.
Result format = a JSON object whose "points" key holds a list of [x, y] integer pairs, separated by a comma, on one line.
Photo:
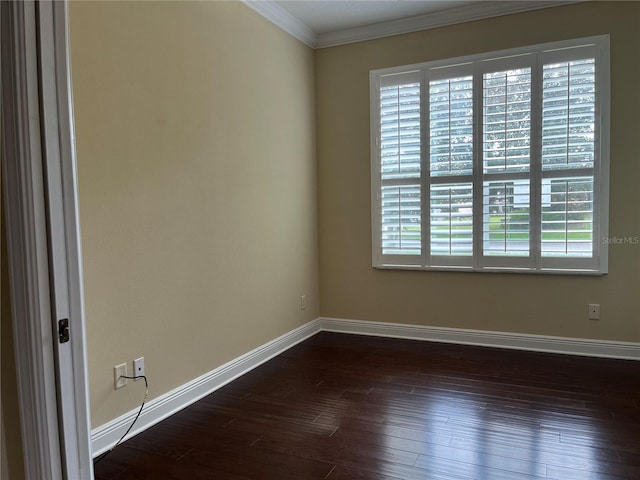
{"points": [[536, 56]]}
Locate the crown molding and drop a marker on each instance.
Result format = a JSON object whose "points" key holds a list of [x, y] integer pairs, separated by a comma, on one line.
{"points": [[461, 14], [283, 19], [465, 13]]}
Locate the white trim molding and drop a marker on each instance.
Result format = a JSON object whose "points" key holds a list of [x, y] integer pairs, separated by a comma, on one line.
{"points": [[276, 14], [24, 190], [105, 436], [43, 240], [485, 338], [65, 266], [450, 16]]}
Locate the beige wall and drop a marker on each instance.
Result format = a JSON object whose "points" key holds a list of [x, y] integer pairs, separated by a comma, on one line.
{"points": [[549, 305], [195, 126]]}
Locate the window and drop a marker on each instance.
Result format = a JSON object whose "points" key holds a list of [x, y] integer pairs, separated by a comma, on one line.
{"points": [[493, 162]]}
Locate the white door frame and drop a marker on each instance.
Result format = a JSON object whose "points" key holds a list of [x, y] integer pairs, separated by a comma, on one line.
{"points": [[43, 240]]}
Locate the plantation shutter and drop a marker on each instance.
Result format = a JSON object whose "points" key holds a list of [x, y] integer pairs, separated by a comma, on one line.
{"points": [[451, 159], [570, 158], [493, 162], [506, 156], [399, 198]]}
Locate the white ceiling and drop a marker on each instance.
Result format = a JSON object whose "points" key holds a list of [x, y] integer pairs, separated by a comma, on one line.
{"points": [[324, 23]]}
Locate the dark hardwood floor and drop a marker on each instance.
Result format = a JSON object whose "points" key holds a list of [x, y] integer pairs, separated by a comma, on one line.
{"points": [[350, 407]]}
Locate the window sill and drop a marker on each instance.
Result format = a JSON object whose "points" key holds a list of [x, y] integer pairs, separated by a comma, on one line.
{"points": [[510, 270]]}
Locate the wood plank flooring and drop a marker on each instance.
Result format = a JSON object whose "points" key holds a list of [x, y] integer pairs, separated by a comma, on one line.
{"points": [[347, 407]]}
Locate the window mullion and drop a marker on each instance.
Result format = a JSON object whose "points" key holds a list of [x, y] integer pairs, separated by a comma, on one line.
{"points": [[478, 207], [535, 182], [601, 167], [376, 180], [425, 173]]}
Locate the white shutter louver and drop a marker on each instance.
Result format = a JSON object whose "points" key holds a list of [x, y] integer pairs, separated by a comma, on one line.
{"points": [[400, 165], [567, 218], [506, 221], [452, 219], [401, 220], [400, 131], [506, 121], [568, 115], [451, 126], [568, 145]]}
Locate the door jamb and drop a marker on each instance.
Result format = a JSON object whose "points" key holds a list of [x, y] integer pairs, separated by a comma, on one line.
{"points": [[39, 172]]}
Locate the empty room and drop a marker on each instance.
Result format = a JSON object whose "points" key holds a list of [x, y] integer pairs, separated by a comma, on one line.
{"points": [[321, 239]]}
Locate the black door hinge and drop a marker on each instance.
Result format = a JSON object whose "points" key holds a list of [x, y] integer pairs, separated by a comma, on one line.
{"points": [[63, 330]]}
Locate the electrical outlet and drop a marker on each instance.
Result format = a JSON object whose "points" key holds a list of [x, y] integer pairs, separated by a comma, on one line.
{"points": [[594, 311], [138, 368], [118, 372], [303, 302]]}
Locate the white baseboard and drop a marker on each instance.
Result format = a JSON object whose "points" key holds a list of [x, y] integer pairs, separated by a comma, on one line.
{"points": [[517, 341], [105, 436]]}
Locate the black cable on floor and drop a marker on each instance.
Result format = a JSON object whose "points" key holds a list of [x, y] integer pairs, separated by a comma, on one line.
{"points": [[146, 394]]}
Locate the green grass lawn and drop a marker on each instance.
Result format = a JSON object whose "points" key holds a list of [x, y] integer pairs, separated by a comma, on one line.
{"points": [[497, 233], [443, 232]]}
